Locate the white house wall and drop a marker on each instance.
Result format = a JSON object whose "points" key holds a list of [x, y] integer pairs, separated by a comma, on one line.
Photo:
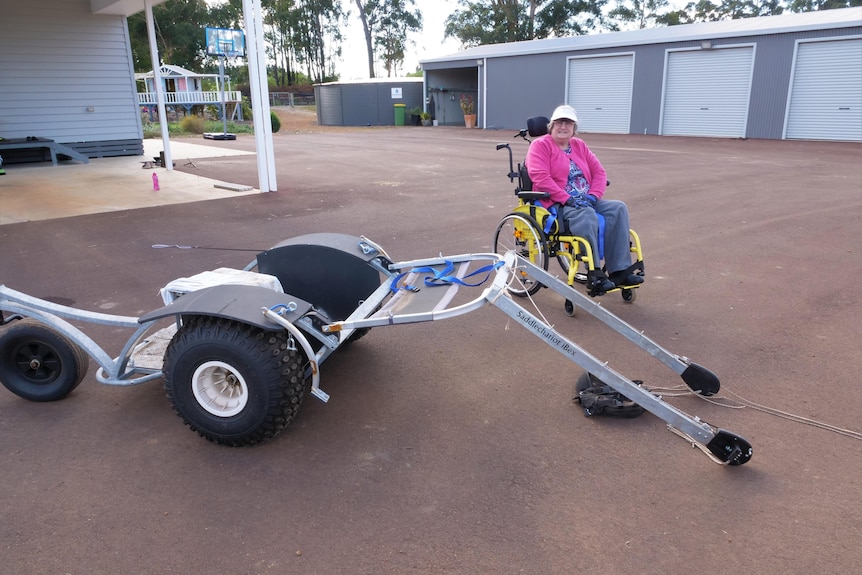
{"points": [[65, 73]]}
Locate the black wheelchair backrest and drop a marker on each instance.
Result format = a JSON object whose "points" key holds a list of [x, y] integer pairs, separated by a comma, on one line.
{"points": [[537, 126], [525, 184]]}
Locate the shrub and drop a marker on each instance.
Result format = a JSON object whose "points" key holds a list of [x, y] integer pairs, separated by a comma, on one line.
{"points": [[192, 124], [276, 121]]}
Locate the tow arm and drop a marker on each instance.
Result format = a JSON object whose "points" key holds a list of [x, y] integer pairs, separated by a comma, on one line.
{"points": [[412, 305]]}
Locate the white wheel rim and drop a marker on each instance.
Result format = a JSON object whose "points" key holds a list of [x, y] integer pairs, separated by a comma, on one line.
{"points": [[219, 389]]}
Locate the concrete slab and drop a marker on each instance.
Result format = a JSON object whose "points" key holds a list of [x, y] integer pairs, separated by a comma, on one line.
{"points": [[41, 191]]}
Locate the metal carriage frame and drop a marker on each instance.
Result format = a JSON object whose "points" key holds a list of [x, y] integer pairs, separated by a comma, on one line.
{"points": [[238, 359]]}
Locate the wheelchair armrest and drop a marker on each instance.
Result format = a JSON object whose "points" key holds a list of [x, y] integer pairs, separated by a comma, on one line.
{"points": [[530, 195]]}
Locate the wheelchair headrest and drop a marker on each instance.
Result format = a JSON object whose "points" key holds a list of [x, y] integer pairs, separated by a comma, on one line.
{"points": [[537, 126]]}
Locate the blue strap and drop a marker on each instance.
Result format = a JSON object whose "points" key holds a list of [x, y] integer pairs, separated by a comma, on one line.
{"points": [[442, 277], [549, 223], [601, 246]]}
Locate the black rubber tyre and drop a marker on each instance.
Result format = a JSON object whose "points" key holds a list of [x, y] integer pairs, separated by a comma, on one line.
{"points": [[39, 363], [629, 295], [520, 233], [232, 383]]}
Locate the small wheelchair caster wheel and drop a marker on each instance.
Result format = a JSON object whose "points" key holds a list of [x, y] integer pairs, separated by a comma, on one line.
{"points": [[570, 308], [629, 295]]}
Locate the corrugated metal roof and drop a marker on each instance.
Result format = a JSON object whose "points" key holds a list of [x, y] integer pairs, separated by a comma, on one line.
{"points": [[820, 20]]}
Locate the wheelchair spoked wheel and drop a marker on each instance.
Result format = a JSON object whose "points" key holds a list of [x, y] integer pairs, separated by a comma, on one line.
{"points": [[520, 233]]}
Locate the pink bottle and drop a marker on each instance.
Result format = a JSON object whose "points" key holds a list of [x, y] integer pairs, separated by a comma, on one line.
{"points": [[155, 182]]}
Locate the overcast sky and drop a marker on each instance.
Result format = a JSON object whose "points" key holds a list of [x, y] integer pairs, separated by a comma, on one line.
{"points": [[429, 45]]}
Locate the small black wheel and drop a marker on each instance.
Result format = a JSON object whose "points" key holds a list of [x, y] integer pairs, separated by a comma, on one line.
{"points": [[629, 295], [520, 233], [588, 412], [39, 363], [232, 383], [571, 310], [730, 448]]}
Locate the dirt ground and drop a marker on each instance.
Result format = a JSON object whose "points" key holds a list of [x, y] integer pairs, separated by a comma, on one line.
{"points": [[454, 447], [303, 120]]}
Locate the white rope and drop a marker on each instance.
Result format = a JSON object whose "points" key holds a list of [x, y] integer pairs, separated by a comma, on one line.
{"points": [[682, 390], [742, 403], [514, 278]]}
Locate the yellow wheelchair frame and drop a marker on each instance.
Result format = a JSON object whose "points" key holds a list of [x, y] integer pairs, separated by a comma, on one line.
{"points": [[530, 232]]}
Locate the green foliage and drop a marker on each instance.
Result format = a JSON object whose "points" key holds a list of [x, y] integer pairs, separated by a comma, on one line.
{"points": [[275, 121], [299, 33], [154, 130], [640, 13], [179, 35], [479, 22], [307, 32]]}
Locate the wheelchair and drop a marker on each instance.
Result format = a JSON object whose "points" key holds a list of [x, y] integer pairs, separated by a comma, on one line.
{"points": [[536, 235]]}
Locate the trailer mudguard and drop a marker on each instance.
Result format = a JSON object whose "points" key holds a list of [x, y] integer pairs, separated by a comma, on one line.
{"points": [[335, 272], [238, 302]]}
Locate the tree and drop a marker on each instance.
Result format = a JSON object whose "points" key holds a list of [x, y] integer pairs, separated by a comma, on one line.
{"points": [[280, 23], [641, 13], [386, 24], [494, 21], [316, 36], [179, 35], [814, 5]]}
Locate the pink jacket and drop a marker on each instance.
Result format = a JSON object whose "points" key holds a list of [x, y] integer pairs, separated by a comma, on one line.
{"points": [[548, 167]]}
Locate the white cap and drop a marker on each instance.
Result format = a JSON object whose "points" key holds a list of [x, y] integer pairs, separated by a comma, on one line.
{"points": [[564, 112]]}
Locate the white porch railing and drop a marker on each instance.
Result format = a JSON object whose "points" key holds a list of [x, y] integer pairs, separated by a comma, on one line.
{"points": [[189, 98]]}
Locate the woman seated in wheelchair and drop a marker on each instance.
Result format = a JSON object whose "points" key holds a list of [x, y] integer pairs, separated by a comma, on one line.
{"points": [[563, 166]]}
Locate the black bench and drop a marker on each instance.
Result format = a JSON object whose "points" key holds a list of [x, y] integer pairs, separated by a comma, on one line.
{"points": [[36, 143]]}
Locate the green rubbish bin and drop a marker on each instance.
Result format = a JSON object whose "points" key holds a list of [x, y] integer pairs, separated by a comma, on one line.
{"points": [[400, 113]]}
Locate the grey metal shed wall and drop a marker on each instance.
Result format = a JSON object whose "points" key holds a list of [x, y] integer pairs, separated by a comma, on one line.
{"points": [[523, 86], [529, 85], [363, 104], [328, 99]]}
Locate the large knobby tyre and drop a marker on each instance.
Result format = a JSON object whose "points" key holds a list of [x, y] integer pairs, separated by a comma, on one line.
{"points": [[39, 363], [232, 383]]}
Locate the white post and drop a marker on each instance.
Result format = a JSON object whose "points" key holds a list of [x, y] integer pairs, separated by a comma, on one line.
{"points": [[256, 52], [157, 84]]}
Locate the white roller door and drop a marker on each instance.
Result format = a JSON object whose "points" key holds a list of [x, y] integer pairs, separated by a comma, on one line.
{"points": [[707, 92], [826, 91], [600, 89]]}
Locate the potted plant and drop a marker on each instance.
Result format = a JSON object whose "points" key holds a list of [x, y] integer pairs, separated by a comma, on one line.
{"points": [[468, 106], [425, 118], [415, 115]]}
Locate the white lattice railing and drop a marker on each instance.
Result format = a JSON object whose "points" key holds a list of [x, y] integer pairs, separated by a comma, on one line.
{"points": [[188, 98]]}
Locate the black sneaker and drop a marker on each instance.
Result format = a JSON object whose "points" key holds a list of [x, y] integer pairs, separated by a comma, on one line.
{"points": [[626, 279]]}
